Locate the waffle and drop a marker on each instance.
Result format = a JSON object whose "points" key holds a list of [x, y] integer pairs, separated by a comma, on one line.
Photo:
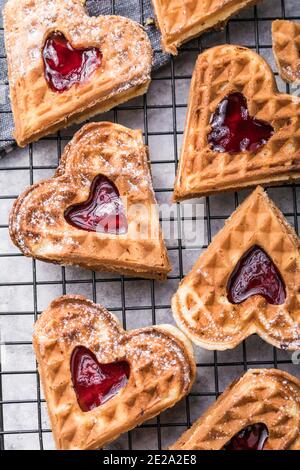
{"points": [[201, 306], [219, 72], [162, 370], [267, 396], [124, 72], [38, 226], [182, 20], [286, 47]]}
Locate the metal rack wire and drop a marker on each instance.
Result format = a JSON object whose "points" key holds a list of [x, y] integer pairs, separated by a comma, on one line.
{"points": [[213, 364]]}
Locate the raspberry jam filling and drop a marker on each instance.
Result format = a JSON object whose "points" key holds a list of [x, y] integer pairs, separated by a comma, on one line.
{"points": [[234, 130], [95, 383], [253, 437], [256, 274], [103, 211], [66, 66]]}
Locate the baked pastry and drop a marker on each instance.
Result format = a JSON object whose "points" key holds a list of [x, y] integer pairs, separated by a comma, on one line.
{"points": [[247, 281], [65, 66], [260, 411], [101, 381], [98, 211], [286, 47], [226, 146], [182, 20]]}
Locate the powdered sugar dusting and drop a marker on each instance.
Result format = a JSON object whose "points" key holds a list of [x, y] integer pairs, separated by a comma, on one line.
{"points": [[33, 19], [125, 70], [73, 321], [202, 305], [264, 396], [38, 225]]}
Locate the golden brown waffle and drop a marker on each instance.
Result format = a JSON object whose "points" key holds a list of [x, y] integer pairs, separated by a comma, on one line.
{"points": [[219, 72], [201, 306], [123, 74], [270, 397], [162, 371], [38, 226], [181, 20], [286, 47]]}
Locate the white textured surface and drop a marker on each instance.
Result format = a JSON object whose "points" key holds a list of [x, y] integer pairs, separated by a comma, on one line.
{"points": [[15, 300]]}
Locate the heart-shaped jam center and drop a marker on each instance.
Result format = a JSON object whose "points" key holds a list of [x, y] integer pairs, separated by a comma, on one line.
{"points": [[95, 383], [66, 66], [253, 437], [256, 274], [103, 211], [234, 130]]}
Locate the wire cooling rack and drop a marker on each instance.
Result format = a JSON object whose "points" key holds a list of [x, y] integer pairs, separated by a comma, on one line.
{"points": [[27, 286]]}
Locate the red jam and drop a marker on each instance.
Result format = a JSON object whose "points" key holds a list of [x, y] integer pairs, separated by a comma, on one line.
{"points": [[103, 211], [66, 66], [95, 383], [234, 130], [251, 438], [256, 274]]}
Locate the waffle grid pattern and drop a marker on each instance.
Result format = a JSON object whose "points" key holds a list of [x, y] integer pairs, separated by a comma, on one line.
{"points": [[164, 430], [180, 20], [286, 39]]}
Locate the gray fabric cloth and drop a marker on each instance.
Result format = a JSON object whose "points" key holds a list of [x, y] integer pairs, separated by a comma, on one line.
{"points": [[138, 10]]}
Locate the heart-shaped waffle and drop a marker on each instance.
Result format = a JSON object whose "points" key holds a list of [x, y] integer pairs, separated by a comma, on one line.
{"points": [[40, 225], [286, 47], [123, 70], [222, 72], [269, 398], [202, 306], [160, 358], [182, 20]]}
